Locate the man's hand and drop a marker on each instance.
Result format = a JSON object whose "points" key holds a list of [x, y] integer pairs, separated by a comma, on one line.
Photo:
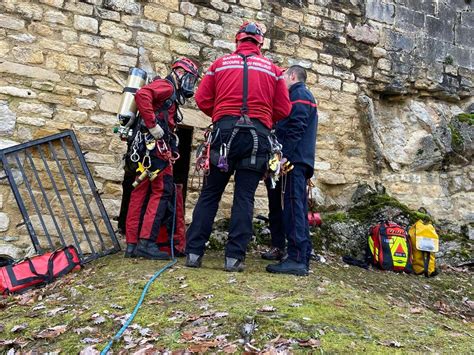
{"points": [[156, 132]]}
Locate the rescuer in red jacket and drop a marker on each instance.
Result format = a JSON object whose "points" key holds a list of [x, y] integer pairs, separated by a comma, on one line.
{"points": [[157, 103], [244, 93]]}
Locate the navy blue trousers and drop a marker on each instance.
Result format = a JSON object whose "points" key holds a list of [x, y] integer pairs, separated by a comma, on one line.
{"points": [[245, 184], [241, 227], [291, 222]]}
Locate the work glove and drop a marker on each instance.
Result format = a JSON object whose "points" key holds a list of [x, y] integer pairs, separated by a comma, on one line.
{"points": [[156, 132]]}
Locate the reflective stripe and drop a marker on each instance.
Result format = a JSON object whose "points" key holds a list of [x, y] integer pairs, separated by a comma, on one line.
{"points": [[209, 73], [229, 67], [304, 102], [281, 77], [251, 67]]}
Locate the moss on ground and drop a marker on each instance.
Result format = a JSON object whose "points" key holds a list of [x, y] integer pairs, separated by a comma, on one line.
{"points": [[466, 118], [341, 308], [456, 138], [377, 202]]}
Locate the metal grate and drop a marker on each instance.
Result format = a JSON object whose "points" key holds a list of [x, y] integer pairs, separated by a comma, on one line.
{"points": [[57, 196]]}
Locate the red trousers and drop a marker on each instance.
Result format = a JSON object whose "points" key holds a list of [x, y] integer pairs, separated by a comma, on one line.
{"points": [[148, 206]]}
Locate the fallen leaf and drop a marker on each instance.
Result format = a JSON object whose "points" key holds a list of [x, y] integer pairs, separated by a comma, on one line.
{"points": [[470, 304], [116, 306], [392, 343], [38, 307], [144, 331], [232, 348], [85, 330], [25, 298], [149, 349], [203, 297], [18, 328], [310, 343], [15, 342], [267, 309], [183, 286], [203, 346], [296, 305], [99, 320], [90, 341], [90, 350], [220, 314], [187, 335], [55, 311], [416, 310], [51, 332]]}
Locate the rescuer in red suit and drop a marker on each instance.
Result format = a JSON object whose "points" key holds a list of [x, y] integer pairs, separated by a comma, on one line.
{"points": [[157, 103], [244, 93]]}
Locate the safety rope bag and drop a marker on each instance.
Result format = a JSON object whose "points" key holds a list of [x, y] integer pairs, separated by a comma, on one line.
{"points": [[38, 270]]}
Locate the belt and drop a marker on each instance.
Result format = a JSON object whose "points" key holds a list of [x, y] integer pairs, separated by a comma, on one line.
{"points": [[228, 122]]}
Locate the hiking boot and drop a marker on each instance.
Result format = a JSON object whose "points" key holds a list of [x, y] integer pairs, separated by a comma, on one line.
{"points": [[288, 266], [149, 250], [130, 251], [273, 254], [233, 265], [193, 260]]}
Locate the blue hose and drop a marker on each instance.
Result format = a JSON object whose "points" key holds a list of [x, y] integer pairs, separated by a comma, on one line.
{"points": [[147, 286]]}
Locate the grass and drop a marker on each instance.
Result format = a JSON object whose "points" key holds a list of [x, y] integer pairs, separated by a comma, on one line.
{"points": [[341, 308]]}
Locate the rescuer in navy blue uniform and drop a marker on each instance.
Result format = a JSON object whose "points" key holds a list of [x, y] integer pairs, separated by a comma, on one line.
{"points": [[297, 134], [245, 94]]}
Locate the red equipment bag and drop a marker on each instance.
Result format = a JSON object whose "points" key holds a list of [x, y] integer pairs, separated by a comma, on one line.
{"points": [[389, 247], [38, 270], [314, 219], [179, 240]]}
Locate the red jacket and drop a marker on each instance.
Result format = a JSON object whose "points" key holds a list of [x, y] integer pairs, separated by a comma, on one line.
{"points": [[151, 98], [220, 91]]}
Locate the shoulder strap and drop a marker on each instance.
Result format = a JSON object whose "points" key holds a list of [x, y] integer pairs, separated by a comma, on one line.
{"points": [[245, 109]]}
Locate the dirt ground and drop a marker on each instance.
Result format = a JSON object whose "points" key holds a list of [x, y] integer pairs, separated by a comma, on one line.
{"points": [[336, 309]]}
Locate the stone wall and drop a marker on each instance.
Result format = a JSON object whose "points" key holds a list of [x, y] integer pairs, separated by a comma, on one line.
{"points": [[387, 75]]}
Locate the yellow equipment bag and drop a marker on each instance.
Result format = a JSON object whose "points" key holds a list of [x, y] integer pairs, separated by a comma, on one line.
{"points": [[425, 243]]}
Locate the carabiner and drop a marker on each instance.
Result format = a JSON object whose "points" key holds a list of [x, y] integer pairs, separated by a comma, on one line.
{"points": [[162, 146], [223, 150], [146, 160]]}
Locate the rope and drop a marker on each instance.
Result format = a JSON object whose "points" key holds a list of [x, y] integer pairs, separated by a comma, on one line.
{"points": [[147, 286]]}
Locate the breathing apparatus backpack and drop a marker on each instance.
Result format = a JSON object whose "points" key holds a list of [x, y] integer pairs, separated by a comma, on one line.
{"points": [[425, 242], [389, 247]]}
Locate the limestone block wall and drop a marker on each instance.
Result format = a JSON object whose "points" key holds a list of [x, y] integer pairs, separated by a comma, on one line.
{"points": [[63, 63]]}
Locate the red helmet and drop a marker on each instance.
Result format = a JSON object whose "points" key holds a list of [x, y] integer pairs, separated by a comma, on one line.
{"points": [[250, 30], [186, 64]]}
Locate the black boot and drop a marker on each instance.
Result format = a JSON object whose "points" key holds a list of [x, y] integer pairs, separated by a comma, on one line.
{"points": [[289, 266], [130, 252], [233, 265], [273, 254], [193, 260], [149, 250]]}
